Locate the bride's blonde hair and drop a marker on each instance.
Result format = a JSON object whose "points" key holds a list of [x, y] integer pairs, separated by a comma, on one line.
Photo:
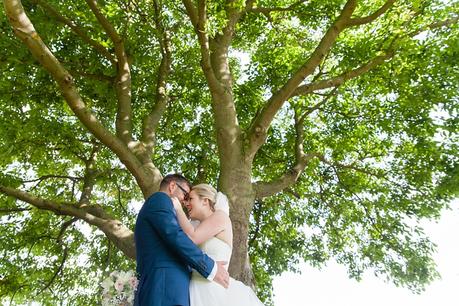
{"points": [[205, 191]]}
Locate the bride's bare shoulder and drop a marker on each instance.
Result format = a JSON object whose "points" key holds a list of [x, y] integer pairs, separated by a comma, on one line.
{"points": [[221, 215]]}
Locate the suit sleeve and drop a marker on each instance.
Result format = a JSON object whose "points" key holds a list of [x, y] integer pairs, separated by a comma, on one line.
{"points": [[162, 218]]}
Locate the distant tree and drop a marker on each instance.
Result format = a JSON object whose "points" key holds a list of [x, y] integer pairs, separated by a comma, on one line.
{"points": [[332, 126]]}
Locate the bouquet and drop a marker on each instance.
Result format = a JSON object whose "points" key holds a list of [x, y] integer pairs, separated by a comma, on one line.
{"points": [[118, 288]]}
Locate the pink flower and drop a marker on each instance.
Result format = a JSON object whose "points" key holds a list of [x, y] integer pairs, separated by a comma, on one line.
{"points": [[133, 282], [119, 286]]}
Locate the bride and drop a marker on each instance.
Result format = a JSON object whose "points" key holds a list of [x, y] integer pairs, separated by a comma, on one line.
{"points": [[214, 235]]}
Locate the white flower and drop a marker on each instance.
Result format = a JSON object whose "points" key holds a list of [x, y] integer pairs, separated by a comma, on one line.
{"points": [[107, 284], [106, 302], [130, 299]]}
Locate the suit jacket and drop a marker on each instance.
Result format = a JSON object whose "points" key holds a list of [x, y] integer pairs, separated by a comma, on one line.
{"points": [[164, 255]]}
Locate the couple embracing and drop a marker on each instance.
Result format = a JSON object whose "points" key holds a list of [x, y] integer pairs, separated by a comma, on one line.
{"points": [[184, 265]]}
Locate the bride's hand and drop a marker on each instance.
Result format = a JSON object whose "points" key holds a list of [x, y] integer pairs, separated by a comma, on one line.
{"points": [[177, 204]]}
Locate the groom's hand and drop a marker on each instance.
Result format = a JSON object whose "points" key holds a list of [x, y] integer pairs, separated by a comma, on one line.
{"points": [[222, 276]]}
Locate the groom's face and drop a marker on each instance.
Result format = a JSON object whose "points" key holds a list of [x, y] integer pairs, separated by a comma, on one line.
{"points": [[181, 192]]}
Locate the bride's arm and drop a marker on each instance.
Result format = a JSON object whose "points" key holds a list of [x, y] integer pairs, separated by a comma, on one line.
{"points": [[206, 229], [184, 223]]}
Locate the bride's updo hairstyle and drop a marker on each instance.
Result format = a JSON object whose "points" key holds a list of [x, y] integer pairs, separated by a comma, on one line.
{"points": [[206, 191]]}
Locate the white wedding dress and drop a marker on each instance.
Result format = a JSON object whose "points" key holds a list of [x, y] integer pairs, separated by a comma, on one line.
{"points": [[206, 293]]}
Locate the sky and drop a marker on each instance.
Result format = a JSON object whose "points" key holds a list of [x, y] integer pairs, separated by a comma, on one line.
{"points": [[332, 287]]}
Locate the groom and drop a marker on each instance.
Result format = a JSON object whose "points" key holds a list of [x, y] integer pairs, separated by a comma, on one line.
{"points": [[165, 253]]}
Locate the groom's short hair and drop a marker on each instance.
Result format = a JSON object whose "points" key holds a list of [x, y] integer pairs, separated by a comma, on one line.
{"points": [[175, 177]]}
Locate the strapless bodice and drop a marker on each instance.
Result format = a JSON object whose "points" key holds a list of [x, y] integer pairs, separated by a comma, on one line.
{"points": [[216, 249]]}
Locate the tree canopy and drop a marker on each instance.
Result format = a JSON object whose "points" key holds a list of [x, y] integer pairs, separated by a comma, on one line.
{"points": [[332, 126]]}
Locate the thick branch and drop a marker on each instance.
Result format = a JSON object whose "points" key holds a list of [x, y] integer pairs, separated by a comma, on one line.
{"points": [[77, 30], [191, 12], [214, 52], [266, 189], [58, 208], [219, 47], [119, 234], [25, 31], [106, 25], [339, 80], [444, 23], [152, 120], [198, 19], [45, 177], [344, 77], [258, 130], [436, 25], [370, 18], [344, 166], [229, 139], [89, 176], [215, 66], [123, 78]]}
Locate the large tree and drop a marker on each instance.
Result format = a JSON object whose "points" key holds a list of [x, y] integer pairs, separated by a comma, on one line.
{"points": [[332, 126]]}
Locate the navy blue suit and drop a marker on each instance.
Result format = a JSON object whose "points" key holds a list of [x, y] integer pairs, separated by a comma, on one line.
{"points": [[165, 255]]}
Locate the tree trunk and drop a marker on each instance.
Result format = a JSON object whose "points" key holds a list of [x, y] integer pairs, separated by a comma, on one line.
{"points": [[238, 187], [240, 267]]}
